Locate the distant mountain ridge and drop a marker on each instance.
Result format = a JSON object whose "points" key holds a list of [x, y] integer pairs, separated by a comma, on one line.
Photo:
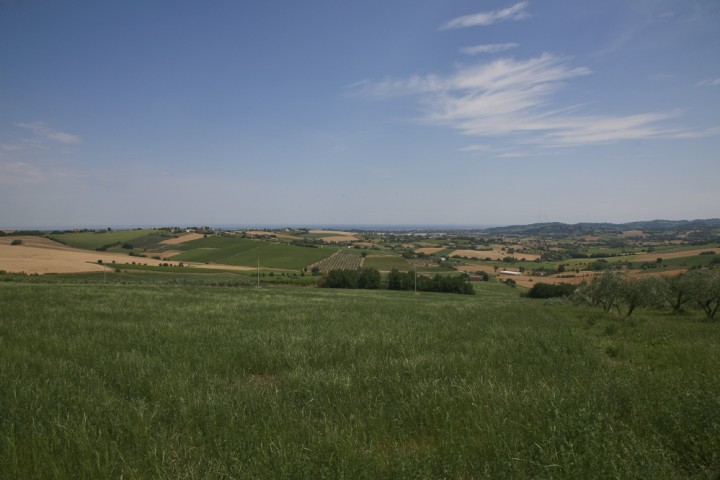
{"points": [[650, 226]]}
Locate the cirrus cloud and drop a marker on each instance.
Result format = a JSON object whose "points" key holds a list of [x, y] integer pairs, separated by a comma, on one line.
{"points": [[515, 99], [516, 12], [488, 48], [42, 130]]}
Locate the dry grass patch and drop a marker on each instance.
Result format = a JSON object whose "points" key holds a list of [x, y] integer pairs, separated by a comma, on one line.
{"points": [[339, 239], [332, 232], [494, 255], [34, 241], [53, 259], [263, 233], [429, 250], [476, 268], [649, 257], [185, 238]]}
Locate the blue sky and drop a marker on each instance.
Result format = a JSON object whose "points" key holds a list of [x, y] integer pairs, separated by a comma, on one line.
{"points": [[375, 112]]}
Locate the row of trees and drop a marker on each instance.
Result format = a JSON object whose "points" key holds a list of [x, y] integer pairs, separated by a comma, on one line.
{"points": [[612, 290], [439, 283], [370, 278], [364, 278]]}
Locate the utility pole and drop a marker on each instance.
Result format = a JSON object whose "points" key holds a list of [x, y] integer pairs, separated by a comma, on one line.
{"points": [[415, 268]]}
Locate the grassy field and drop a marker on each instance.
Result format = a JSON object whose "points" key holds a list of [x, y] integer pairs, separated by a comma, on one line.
{"points": [[385, 263], [242, 251], [110, 381], [95, 240]]}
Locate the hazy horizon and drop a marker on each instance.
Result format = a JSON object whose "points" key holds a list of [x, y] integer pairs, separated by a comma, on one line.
{"points": [[410, 112], [357, 227]]}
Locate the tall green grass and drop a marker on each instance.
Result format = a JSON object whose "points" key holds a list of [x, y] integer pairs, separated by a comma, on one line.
{"points": [[196, 382]]}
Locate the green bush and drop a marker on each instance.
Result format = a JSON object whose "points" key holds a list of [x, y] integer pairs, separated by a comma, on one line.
{"points": [[546, 290]]}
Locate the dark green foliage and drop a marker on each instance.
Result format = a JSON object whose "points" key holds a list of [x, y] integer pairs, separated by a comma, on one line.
{"points": [[17, 241], [340, 279], [369, 278], [400, 280], [439, 283], [546, 290]]}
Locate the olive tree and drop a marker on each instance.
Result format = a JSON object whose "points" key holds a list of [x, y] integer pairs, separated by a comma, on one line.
{"points": [[705, 290]]}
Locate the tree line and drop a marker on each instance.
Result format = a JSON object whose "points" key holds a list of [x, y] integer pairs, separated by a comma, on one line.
{"points": [[370, 278]]}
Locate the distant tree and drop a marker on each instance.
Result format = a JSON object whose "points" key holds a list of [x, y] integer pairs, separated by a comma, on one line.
{"points": [[398, 280], [547, 290], [368, 278], [340, 279]]}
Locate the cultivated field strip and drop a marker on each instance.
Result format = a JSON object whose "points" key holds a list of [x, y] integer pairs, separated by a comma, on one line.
{"points": [[342, 260]]}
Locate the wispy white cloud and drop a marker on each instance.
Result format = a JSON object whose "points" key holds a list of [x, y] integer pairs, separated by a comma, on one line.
{"points": [[515, 98], [488, 48], [42, 130], [10, 147], [516, 12], [477, 148], [710, 82]]}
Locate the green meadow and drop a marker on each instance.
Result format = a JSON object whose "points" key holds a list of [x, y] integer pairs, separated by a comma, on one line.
{"points": [[95, 240], [247, 252], [145, 381]]}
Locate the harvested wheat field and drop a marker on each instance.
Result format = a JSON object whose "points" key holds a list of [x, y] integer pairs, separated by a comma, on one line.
{"points": [[530, 280], [185, 238], [476, 268], [57, 258], [429, 250], [339, 239], [34, 241], [494, 255], [650, 257], [263, 233], [332, 232]]}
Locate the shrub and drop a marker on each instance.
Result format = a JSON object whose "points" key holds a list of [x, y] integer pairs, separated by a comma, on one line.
{"points": [[17, 241], [546, 290]]}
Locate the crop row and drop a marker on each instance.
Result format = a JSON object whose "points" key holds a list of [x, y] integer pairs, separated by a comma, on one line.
{"points": [[342, 260]]}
